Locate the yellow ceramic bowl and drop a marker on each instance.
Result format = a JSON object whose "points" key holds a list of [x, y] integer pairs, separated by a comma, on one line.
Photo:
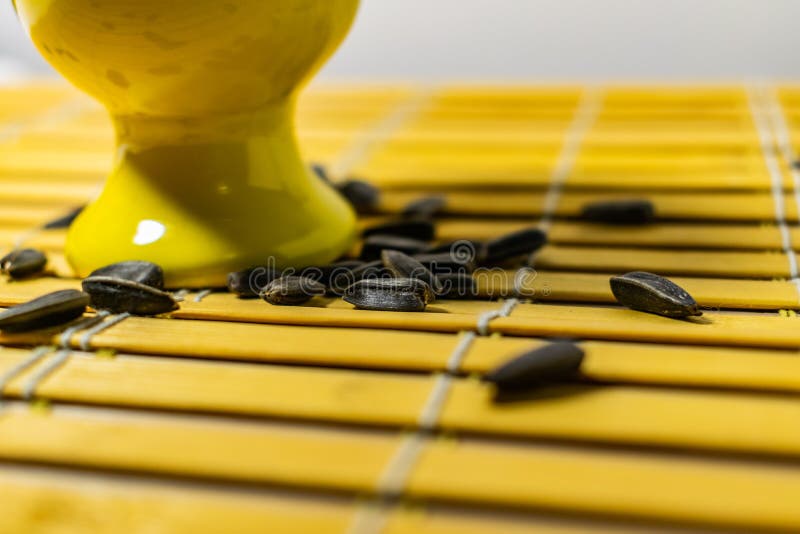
{"points": [[208, 177]]}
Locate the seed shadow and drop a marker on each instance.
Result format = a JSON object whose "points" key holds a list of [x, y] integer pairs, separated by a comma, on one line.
{"points": [[548, 392], [702, 319]]}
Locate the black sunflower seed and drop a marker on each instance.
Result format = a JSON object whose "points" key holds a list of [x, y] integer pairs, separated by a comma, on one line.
{"points": [[250, 282], [143, 272], [364, 197], [24, 262], [372, 270], [404, 266], [374, 245], [396, 294], [515, 244], [555, 362], [463, 249], [416, 229], [117, 296], [620, 212], [292, 291], [64, 221], [326, 273], [796, 164], [48, 310], [651, 293], [443, 263], [424, 208], [457, 286], [321, 172]]}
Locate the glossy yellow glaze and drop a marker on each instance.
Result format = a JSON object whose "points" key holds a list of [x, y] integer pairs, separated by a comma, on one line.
{"points": [[208, 177]]}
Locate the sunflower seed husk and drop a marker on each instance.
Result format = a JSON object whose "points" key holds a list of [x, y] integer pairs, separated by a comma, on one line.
{"points": [[620, 212], [364, 197], [370, 270], [250, 282], [118, 296], [395, 294], [292, 291], [374, 245], [143, 272], [457, 286], [424, 208], [522, 242], [555, 362], [24, 262], [52, 309], [65, 221], [326, 273], [404, 266], [651, 293], [321, 172], [443, 263], [463, 249], [416, 229]]}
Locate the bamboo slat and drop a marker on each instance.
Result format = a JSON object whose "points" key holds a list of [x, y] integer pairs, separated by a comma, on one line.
{"points": [[233, 414], [756, 497], [39, 501], [197, 448]]}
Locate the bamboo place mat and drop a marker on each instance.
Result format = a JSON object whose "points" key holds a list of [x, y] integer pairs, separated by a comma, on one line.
{"points": [[238, 416]]}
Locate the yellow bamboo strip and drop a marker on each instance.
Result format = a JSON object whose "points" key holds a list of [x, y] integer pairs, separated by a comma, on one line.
{"points": [[468, 522], [639, 363], [441, 316], [750, 206], [600, 161], [200, 386], [48, 240], [39, 141], [689, 94], [10, 358], [730, 422], [731, 236], [148, 335], [689, 113], [268, 390], [422, 137], [757, 330], [539, 285], [594, 287], [399, 177], [21, 103], [686, 180], [53, 163], [603, 135], [17, 292], [344, 347], [741, 264], [62, 192], [512, 94], [13, 215], [712, 492], [215, 449], [497, 113], [40, 501]]}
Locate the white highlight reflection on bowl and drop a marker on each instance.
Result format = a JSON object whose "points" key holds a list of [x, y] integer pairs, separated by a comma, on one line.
{"points": [[148, 232]]}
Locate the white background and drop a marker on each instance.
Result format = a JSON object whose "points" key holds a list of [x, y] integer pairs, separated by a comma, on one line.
{"points": [[546, 39]]}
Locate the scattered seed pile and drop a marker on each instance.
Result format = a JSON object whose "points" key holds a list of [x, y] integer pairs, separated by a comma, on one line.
{"points": [[399, 268]]}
